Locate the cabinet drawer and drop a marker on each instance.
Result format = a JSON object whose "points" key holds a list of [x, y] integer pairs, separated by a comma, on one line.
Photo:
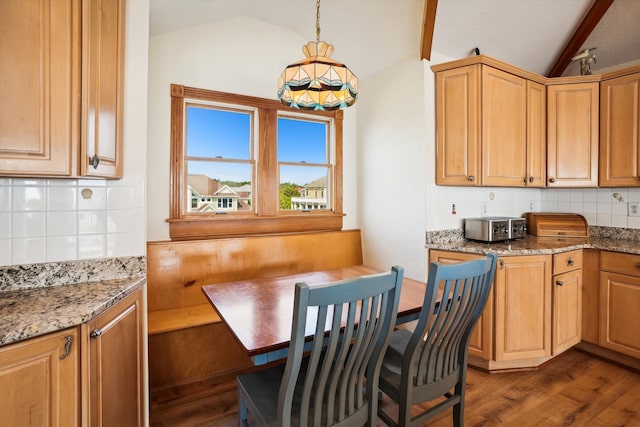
{"points": [[620, 263], [567, 261]]}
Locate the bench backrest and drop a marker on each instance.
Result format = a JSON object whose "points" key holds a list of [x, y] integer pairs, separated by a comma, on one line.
{"points": [[177, 270]]}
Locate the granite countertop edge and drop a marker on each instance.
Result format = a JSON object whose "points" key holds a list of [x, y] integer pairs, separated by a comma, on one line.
{"points": [[532, 245], [28, 313]]}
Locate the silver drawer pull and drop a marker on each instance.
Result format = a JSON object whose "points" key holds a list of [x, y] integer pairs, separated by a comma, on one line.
{"points": [[67, 347], [95, 333], [570, 262]]}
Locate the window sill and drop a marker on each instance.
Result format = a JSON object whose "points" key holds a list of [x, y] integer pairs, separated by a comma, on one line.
{"points": [[235, 226]]}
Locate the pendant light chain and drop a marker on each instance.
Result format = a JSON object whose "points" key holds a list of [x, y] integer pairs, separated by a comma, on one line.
{"points": [[318, 21]]}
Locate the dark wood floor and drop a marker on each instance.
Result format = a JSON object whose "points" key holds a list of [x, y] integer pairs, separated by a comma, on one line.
{"points": [[574, 390]]}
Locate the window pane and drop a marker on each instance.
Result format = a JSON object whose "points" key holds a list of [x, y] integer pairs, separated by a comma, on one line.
{"points": [[218, 133], [302, 141], [304, 188], [214, 187]]}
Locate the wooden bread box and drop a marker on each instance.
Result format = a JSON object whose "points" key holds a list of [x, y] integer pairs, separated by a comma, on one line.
{"points": [[554, 224]]}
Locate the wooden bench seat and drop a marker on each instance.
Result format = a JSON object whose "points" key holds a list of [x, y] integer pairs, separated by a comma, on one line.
{"points": [[173, 319], [188, 342]]}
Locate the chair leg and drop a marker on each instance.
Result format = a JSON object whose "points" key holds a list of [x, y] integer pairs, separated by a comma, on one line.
{"points": [[458, 414], [242, 410]]}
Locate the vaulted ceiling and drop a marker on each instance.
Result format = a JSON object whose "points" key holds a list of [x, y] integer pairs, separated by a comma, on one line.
{"points": [[370, 35]]}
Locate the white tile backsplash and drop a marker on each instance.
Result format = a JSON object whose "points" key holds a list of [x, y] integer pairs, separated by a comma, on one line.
{"points": [[27, 224], [5, 198], [5, 225], [61, 198], [597, 205], [92, 246], [92, 222], [28, 198], [119, 198], [61, 248], [28, 251], [48, 220], [62, 223], [91, 198]]}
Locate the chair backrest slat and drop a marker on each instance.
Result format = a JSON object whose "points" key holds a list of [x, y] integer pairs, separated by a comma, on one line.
{"points": [[337, 380], [454, 299]]}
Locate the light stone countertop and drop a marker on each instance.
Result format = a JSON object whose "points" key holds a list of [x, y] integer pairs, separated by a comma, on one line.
{"points": [[27, 313], [36, 299], [532, 245]]}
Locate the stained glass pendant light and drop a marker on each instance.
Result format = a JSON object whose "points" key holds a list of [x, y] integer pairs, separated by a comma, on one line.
{"points": [[317, 82]]}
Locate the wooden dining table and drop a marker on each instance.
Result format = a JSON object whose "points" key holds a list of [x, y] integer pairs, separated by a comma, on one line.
{"points": [[259, 312]]}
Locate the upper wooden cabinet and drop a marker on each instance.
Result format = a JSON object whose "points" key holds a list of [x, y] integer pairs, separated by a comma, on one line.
{"points": [[491, 126], [62, 83], [458, 126], [620, 131], [572, 138]]}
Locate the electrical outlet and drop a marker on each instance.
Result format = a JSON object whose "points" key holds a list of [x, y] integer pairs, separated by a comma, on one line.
{"points": [[633, 209], [483, 209]]}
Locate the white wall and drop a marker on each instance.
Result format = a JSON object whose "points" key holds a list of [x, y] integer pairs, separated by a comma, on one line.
{"points": [[240, 55], [44, 220], [392, 168]]}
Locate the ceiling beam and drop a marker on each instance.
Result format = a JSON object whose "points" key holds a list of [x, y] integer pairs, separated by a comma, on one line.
{"points": [[428, 24], [597, 11]]}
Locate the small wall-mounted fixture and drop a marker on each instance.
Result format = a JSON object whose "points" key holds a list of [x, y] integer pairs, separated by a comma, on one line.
{"points": [[586, 57], [618, 197]]}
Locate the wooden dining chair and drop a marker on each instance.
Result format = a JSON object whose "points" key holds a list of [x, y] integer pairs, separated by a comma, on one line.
{"points": [[332, 378], [431, 362]]}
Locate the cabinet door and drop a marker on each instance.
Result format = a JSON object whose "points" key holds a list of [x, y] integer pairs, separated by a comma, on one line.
{"points": [[572, 150], [102, 72], [114, 362], [39, 86], [458, 126], [620, 132], [482, 336], [536, 172], [619, 313], [567, 310], [504, 124], [39, 381], [523, 307]]}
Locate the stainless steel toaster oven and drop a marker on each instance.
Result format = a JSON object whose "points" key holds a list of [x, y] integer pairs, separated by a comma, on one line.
{"points": [[494, 228]]}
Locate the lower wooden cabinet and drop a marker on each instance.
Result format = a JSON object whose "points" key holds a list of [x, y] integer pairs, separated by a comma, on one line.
{"points": [[90, 375], [620, 303], [39, 381], [114, 364], [567, 301], [523, 307]]}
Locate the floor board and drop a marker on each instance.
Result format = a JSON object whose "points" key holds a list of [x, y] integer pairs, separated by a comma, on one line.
{"points": [[574, 389]]}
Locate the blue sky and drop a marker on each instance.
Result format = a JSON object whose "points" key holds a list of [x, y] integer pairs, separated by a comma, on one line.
{"points": [[212, 133]]}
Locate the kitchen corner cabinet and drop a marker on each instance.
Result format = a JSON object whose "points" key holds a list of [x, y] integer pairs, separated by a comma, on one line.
{"points": [[567, 301], [572, 138], [113, 365], [619, 303], [490, 127], [39, 381], [620, 131], [62, 88], [523, 307]]}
